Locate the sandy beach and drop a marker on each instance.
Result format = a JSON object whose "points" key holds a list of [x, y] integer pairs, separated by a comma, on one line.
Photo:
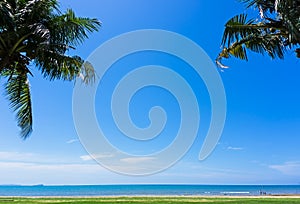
{"points": [[166, 196], [286, 199]]}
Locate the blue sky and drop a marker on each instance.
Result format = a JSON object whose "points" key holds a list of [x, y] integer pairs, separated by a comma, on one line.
{"points": [[260, 141]]}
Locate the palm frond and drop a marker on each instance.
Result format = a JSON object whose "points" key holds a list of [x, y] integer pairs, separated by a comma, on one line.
{"points": [[57, 66], [277, 30], [36, 31], [237, 28], [264, 5], [289, 12], [239, 51], [18, 93], [71, 30], [6, 16], [270, 44], [54, 66], [33, 11]]}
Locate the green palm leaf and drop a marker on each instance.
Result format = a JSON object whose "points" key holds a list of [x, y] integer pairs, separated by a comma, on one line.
{"points": [[71, 30], [18, 93], [37, 32], [237, 28], [277, 31]]}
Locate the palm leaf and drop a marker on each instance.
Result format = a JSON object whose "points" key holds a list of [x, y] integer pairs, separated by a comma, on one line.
{"points": [[56, 66], [270, 44], [18, 93], [6, 16], [36, 31], [278, 30], [237, 28], [71, 30], [263, 5]]}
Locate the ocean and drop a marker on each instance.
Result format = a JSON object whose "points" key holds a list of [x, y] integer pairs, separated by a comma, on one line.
{"points": [[151, 190]]}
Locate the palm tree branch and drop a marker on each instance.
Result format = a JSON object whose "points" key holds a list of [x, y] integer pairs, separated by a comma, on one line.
{"points": [[37, 31], [71, 30], [58, 66], [238, 27], [268, 43], [15, 46], [18, 93]]}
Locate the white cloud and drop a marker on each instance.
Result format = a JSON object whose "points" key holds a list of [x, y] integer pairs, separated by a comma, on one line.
{"points": [[47, 173], [135, 160], [235, 148], [96, 156], [288, 168], [34, 158], [193, 173], [17, 156], [86, 157], [46, 167], [72, 141]]}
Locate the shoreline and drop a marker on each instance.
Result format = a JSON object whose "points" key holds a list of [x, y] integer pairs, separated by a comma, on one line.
{"points": [[152, 191]]}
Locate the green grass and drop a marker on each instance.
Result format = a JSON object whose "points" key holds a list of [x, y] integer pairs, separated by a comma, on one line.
{"points": [[141, 200]]}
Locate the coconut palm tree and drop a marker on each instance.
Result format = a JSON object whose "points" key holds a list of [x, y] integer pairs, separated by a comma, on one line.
{"points": [[275, 30], [36, 34]]}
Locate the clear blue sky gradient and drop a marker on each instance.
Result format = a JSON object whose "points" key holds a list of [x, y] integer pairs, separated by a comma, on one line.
{"points": [[260, 141]]}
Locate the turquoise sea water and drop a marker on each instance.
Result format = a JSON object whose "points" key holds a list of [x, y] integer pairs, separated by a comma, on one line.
{"points": [[117, 190]]}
